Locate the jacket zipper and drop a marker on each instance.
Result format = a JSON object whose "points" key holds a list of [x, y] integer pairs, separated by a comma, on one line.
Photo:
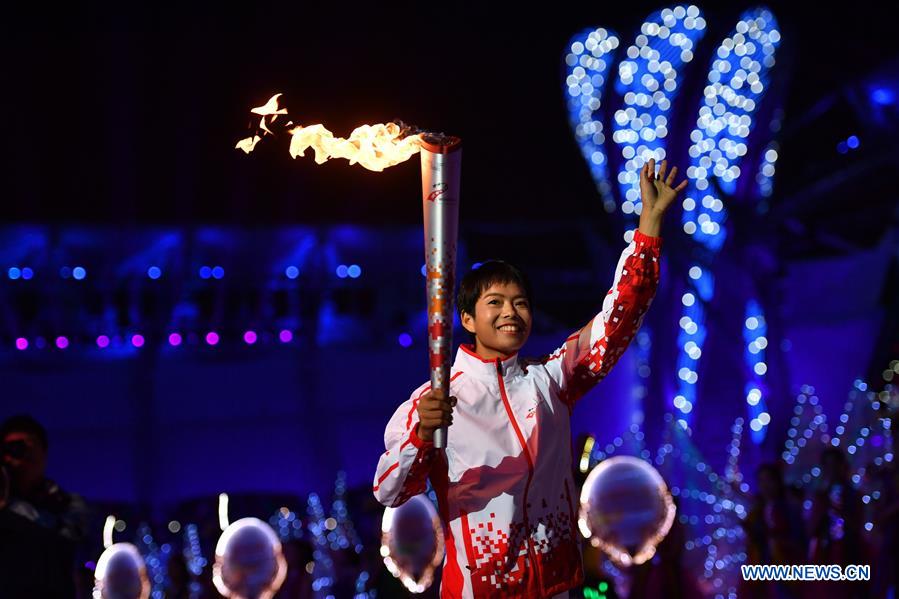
{"points": [[527, 455]]}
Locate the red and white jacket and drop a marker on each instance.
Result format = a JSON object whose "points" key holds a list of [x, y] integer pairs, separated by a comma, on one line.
{"points": [[504, 484]]}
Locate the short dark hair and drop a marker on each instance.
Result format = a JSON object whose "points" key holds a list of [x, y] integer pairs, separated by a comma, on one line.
{"points": [[23, 423], [478, 280]]}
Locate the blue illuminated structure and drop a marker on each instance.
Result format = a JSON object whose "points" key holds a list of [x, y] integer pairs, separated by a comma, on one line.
{"points": [[649, 78], [737, 81], [690, 339], [738, 78], [755, 332], [589, 60]]}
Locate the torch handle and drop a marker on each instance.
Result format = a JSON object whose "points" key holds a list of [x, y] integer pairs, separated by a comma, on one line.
{"points": [[440, 438]]}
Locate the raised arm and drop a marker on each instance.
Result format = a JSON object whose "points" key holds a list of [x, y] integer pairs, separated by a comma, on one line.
{"points": [[588, 355]]}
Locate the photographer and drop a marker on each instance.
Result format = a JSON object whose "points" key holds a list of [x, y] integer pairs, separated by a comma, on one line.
{"points": [[40, 524]]}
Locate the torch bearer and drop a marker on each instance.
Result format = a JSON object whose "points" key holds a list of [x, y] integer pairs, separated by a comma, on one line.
{"points": [[441, 165]]}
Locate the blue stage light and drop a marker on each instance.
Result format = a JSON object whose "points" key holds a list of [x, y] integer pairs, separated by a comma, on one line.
{"points": [[14, 273], [205, 272], [342, 271], [154, 272], [218, 272], [78, 273], [354, 271], [292, 272], [883, 96]]}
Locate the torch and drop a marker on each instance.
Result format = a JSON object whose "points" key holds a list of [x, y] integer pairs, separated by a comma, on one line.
{"points": [[380, 146], [441, 165]]}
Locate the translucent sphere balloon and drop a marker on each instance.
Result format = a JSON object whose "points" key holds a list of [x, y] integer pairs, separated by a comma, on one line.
{"points": [[412, 542], [121, 574], [626, 509], [249, 563]]}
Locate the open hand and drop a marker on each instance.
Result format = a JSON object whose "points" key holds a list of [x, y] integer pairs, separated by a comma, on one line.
{"points": [[658, 191]]}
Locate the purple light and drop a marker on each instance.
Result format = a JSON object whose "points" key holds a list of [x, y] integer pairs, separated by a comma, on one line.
{"points": [[405, 339], [62, 342], [102, 341], [212, 338], [174, 339], [137, 340], [285, 336], [249, 337], [21, 343]]}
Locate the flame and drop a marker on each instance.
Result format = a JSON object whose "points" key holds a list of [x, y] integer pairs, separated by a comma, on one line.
{"points": [[270, 107], [248, 144], [374, 147]]}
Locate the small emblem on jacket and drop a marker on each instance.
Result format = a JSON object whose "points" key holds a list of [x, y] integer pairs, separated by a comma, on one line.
{"points": [[537, 401]]}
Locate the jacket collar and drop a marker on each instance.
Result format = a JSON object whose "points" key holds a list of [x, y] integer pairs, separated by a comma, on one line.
{"points": [[471, 363]]}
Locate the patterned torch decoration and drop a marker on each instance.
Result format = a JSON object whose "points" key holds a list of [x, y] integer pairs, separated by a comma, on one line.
{"points": [[441, 164]]}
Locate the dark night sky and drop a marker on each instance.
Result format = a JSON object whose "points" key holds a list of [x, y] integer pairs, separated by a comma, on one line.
{"points": [[132, 118]]}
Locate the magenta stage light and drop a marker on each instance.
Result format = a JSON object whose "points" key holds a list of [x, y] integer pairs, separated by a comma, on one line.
{"points": [[285, 336], [137, 340], [102, 341], [21, 343], [62, 342], [212, 338], [249, 337], [174, 339]]}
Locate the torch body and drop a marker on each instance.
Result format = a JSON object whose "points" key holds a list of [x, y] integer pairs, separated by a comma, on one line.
{"points": [[441, 164]]}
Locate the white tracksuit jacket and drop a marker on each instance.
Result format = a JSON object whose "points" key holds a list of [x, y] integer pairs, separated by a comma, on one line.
{"points": [[504, 484]]}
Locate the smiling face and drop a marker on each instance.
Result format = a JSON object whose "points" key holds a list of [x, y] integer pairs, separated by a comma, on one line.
{"points": [[501, 322]]}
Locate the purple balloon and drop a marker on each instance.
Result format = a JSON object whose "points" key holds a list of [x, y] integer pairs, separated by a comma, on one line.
{"points": [[412, 542], [626, 509], [249, 563], [121, 574]]}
